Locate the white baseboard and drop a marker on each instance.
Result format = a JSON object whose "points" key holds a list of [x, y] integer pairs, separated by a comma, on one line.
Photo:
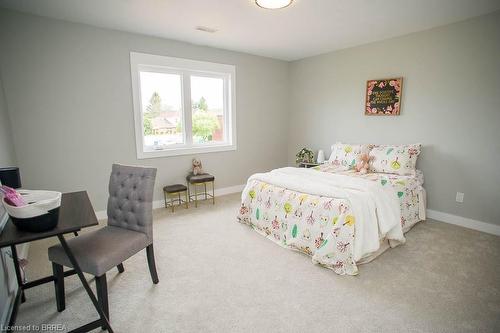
{"points": [[101, 215], [464, 222], [229, 190]]}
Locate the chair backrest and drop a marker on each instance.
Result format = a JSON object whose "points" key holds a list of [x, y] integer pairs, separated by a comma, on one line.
{"points": [[130, 203]]}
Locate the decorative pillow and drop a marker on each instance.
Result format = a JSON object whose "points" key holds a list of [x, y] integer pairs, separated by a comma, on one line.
{"points": [[344, 156], [397, 159]]}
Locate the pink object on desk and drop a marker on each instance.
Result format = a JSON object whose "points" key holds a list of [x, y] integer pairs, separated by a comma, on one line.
{"points": [[12, 197]]}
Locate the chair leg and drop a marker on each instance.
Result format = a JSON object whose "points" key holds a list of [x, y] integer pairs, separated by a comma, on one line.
{"points": [[102, 294], [120, 267], [58, 272], [151, 263]]}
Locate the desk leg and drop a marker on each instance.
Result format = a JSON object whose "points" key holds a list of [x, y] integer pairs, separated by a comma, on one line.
{"points": [[20, 282], [15, 309], [104, 320]]}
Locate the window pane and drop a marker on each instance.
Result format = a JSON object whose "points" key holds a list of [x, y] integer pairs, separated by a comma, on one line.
{"points": [[207, 100], [161, 100]]}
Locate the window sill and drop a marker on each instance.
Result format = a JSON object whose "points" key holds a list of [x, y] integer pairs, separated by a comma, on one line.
{"points": [[184, 151]]}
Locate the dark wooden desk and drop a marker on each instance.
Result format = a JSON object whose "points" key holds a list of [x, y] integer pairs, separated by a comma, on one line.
{"points": [[76, 212]]}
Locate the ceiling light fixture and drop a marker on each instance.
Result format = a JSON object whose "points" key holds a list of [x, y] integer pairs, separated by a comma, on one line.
{"points": [[273, 4]]}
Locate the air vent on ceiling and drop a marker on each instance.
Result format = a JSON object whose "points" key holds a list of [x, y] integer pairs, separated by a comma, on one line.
{"points": [[206, 29]]}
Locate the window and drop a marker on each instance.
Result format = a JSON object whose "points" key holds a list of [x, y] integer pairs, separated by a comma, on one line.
{"points": [[182, 106]]}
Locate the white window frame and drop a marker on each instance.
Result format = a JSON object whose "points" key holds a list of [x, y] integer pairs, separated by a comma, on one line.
{"points": [[141, 62]]}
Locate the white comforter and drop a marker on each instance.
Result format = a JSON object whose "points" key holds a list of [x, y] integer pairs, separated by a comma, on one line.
{"points": [[377, 211]]}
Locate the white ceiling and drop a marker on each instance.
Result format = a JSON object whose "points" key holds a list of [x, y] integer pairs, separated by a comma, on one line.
{"points": [[306, 28]]}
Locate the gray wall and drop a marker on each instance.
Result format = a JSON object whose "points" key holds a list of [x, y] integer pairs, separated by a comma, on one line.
{"points": [[451, 104], [7, 155], [69, 96], [68, 87]]}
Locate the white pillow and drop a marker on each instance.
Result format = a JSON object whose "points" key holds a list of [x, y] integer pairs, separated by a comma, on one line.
{"points": [[345, 156], [396, 159]]}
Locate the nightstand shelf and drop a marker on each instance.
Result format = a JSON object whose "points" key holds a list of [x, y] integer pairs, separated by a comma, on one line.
{"points": [[308, 165]]}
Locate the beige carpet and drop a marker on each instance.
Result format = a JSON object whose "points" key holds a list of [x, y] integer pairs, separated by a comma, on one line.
{"points": [[217, 275]]}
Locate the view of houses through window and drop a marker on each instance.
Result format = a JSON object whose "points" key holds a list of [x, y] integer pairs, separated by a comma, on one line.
{"points": [[161, 97], [182, 106], [162, 108], [207, 102]]}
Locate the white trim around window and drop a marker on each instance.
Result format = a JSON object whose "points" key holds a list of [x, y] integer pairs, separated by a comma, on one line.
{"points": [[185, 68]]}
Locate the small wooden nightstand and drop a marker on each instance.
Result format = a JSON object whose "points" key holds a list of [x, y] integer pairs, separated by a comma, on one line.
{"points": [[308, 165]]}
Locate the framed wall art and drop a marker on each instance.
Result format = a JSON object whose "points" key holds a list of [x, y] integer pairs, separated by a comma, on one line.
{"points": [[383, 97]]}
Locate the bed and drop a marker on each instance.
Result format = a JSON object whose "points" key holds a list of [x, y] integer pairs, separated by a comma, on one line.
{"points": [[339, 217]]}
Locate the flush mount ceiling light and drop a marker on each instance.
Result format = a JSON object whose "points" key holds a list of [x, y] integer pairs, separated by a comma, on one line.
{"points": [[273, 4]]}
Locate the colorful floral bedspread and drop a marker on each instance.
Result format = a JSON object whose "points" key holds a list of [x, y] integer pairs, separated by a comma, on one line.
{"points": [[409, 190], [319, 226]]}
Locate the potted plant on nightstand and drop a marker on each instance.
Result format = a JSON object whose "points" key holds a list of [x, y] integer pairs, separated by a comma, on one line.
{"points": [[305, 158]]}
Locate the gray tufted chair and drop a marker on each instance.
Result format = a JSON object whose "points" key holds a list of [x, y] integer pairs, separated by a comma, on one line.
{"points": [[129, 230]]}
